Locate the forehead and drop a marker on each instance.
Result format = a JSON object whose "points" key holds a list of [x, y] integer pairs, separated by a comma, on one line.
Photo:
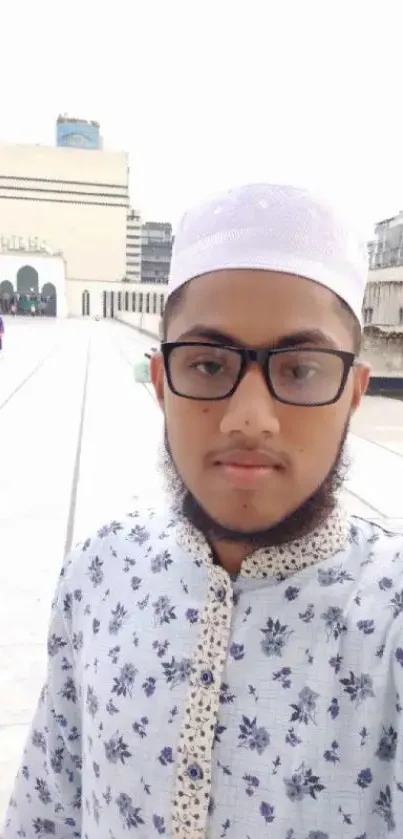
{"points": [[258, 307]]}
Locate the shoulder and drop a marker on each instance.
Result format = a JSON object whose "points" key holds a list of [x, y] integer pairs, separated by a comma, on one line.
{"points": [[375, 532], [378, 545], [121, 541]]}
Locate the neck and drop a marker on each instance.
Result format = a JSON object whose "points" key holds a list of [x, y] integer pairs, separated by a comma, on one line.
{"points": [[230, 555], [258, 558]]}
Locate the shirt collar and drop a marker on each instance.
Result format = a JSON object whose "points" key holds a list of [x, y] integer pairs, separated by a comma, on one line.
{"points": [[280, 560]]}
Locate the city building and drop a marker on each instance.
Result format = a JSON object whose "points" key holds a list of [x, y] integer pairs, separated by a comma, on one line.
{"points": [[78, 133], [133, 246], [63, 229], [156, 252], [383, 304]]}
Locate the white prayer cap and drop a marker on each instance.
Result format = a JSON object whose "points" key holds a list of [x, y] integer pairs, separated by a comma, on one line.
{"points": [[271, 228]]}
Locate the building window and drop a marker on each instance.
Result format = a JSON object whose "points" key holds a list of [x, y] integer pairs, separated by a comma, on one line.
{"points": [[133, 301], [85, 304], [140, 302], [162, 303], [119, 301], [154, 304], [401, 316], [126, 301], [368, 315], [147, 304]]}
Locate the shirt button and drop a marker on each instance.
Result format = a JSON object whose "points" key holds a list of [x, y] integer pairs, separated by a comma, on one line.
{"points": [[195, 772], [207, 677]]}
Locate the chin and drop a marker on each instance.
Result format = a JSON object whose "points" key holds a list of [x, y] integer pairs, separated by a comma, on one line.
{"points": [[247, 519]]}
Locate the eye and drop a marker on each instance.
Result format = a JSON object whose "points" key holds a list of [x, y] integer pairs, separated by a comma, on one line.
{"points": [[208, 367], [299, 372], [303, 371]]}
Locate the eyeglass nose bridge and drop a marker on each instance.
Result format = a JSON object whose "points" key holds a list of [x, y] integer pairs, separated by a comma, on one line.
{"points": [[261, 357], [251, 355], [256, 356]]}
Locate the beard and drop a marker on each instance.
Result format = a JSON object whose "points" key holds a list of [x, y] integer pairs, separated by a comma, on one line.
{"points": [[308, 516]]}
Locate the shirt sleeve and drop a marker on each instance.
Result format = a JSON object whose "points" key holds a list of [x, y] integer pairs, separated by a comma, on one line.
{"points": [[47, 795]]}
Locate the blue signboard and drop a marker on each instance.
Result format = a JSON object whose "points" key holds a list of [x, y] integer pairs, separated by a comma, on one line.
{"points": [[78, 134]]}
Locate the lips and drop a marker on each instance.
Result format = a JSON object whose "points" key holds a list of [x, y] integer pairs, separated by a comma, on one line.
{"points": [[244, 459]]}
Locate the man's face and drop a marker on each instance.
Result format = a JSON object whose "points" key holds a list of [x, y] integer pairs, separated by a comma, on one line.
{"points": [[258, 310]]}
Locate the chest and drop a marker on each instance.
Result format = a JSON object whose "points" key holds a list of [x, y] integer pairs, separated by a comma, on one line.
{"points": [[307, 717]]}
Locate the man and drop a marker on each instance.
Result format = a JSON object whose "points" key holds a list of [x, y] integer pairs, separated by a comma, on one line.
{"points": [[231, 667]]}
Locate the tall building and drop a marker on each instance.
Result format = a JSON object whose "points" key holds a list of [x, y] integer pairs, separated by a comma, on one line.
{"points": [[63, 227], [156, 252], [386, 248], [383, 304], [133, 246], [78, 133]]}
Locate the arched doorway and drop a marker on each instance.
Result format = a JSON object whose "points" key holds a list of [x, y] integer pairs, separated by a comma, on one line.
{"points": [[6, 296], [27, 290], [85, 303], [49, 300], [27, 281]]}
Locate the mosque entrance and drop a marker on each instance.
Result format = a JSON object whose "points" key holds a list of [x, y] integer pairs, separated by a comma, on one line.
{"points": [[7, 296], [27, 299], [27, 281], [48, 301]]}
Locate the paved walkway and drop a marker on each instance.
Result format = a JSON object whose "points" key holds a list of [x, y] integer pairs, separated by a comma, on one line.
{"points": [[79, 439]]}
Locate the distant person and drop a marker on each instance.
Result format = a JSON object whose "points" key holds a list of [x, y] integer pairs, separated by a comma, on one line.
{"points": [[13, 309], [1, 332], [229, 664]]}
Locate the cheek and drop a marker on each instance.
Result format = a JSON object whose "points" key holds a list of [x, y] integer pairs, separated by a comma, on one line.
{"points": [[314, 433], [190, 425]]}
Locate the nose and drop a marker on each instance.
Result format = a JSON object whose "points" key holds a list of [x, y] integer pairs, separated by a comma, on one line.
{"points": [[251, 409]]}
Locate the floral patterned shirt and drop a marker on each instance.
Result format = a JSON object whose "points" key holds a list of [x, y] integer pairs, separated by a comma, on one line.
{"points": [[185, 702]]}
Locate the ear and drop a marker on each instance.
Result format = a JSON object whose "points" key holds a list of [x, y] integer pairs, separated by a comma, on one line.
{"points": [[361, 374], [157, 376]]}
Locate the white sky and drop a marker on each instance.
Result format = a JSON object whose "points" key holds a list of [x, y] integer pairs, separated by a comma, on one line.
{"points": [[209, 94]]}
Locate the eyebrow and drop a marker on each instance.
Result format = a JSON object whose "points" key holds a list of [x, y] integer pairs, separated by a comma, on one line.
{"points": [[313, 337]]}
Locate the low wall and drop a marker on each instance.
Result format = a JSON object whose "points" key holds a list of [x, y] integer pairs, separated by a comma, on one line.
{"points": [[383, 350], [149, 324]]}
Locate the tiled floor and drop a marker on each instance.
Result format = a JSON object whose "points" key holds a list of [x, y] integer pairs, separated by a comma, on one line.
{"points": [[46, 501]]}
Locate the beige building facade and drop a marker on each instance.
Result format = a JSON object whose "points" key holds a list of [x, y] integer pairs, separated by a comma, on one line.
{"points": [[63, 226], [383, 303]]}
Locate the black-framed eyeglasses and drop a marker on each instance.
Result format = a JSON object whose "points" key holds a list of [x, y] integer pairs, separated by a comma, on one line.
{"points": [[295, 376]]}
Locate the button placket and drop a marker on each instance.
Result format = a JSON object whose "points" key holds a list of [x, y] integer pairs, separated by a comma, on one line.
{"points": [[193, 778]]}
